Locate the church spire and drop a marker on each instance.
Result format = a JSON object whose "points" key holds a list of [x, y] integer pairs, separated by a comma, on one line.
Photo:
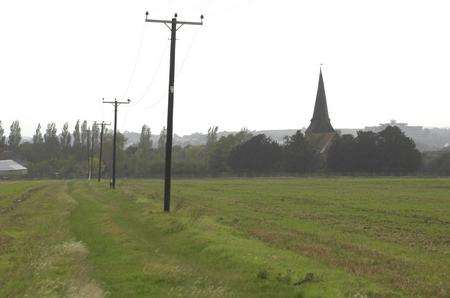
{"points": [[320, 123]]}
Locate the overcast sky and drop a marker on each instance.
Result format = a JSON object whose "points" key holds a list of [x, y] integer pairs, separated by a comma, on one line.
{"points": [[253, 64]]}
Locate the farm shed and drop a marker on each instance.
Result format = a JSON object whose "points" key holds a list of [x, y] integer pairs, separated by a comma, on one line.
{"points": [[10, 168]]}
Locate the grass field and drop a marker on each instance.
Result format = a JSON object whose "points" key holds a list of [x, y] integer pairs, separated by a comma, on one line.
{"points": [[343, 237]]}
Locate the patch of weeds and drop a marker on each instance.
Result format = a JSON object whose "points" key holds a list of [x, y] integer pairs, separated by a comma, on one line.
{"points": [[142, 200], [359, 295], [371, 294], [176, 226], [195, 215], [263, 274], [180, 203], [309, 277], [5, 242], [285, 278], [73, 248]]}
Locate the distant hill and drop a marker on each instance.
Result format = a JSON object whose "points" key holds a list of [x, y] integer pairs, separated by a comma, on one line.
{"points": [[192, 139]]}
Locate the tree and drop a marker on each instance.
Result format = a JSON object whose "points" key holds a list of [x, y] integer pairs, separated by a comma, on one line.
{"points": [[298, 154], [388, 151], [340, 157], [15, 137], [84, 137], [2, 139], [260, 154], [211, 141], [399, 152], [65, 138], [51, 141], [77, 139], [88, 143], [218, 162], [211, 138], [95, 135], [36, 152], [37, 138], [162, 139], [145, 141], [441, 164], [367, 154]]}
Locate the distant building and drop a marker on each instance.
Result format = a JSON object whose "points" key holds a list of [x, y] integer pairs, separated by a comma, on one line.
{"points": [[10, 168], [426, 139], [320, 132], [412, 130]]}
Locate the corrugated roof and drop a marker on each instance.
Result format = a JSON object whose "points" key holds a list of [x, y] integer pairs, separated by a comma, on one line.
{"points": [[10, 165]]}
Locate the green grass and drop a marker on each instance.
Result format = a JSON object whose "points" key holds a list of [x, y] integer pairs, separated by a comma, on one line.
{"points": [[343, 237], [39, 257]]}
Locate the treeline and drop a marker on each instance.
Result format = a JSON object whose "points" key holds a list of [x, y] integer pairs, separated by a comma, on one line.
{"points": [[74, 153], [388, 151]]}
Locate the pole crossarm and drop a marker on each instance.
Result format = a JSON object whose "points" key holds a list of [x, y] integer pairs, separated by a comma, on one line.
{"points": [[102, 122], [117, 102], [170, 22]]}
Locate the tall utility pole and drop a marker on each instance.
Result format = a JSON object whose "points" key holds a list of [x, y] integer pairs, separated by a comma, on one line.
{"points": [[173, 26], [88, 145], [91, 155], [103, 124], [116, 104]]}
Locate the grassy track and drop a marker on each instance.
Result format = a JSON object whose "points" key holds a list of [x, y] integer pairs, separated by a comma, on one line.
{"points": [[39, 257], [229, 238]]}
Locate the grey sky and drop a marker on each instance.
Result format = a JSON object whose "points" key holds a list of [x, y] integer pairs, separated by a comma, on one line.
{"points": [[254, 64]]}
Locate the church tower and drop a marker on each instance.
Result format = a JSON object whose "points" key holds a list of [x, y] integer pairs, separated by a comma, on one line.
{"points": [[320, 132], [320, 123]]}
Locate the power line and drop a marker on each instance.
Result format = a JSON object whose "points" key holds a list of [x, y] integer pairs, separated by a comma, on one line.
{"points": [[138, 55], [191, 45], [175, 25], [161, 98], [176, 76], [147, 88]]}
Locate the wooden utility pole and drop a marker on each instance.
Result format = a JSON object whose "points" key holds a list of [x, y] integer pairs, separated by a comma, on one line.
{"points": [[102, 130], [88, 147], [173, 26], [116, 104], [91, 155]]}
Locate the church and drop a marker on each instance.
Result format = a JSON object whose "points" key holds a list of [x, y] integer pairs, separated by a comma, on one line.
{"points": [[320, 132]]}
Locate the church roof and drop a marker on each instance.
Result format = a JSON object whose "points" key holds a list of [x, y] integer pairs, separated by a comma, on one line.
{"points": [[322, 141], [320, 123]]}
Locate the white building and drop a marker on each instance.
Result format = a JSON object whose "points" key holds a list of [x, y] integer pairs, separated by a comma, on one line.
{"points": [[9, 168]]}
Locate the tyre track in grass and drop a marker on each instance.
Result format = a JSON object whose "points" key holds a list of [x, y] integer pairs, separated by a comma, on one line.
{"points": [[128, 260], [40, 257], [22, 198]]}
